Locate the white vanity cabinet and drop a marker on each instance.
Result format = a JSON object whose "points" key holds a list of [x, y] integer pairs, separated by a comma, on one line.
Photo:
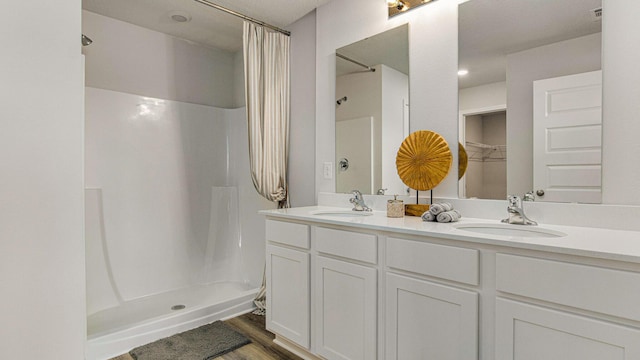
{"points": [[525, 331], [344, 290], [424, 319], [548, 331], [288, 281], [346, 309], [346, 294]]}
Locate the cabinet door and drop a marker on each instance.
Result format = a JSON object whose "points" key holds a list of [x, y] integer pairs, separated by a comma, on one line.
{"points": [[430, 321], [345, 324], [528, 332], [288, 294]]}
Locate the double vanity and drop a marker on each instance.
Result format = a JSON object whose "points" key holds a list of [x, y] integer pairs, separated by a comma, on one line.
{"points": [[359, 285]]}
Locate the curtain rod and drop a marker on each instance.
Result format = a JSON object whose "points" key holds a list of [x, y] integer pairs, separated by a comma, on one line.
{"points": [[353, 61], [244, 17]]}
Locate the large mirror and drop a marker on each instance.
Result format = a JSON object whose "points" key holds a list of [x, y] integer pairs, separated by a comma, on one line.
{"points": [[372, 112], [530, 101]]}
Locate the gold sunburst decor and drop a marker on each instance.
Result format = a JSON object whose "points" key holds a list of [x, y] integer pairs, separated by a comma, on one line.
{"points": [[463, 161], [423, 160]]}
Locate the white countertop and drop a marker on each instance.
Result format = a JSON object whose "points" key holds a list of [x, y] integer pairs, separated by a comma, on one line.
{"points": [[620, 245]]}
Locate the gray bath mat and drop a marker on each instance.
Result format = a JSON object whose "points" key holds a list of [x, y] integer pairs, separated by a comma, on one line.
{"points": [[203, 343]]}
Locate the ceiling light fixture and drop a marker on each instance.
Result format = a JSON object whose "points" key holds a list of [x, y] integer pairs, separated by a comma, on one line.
{"points": [[180, 16], [392, 3], [463, 72]]}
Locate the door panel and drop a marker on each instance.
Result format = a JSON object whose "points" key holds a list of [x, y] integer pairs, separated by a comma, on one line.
{"points": [[528, 332], [567, 137], [346, 310]]}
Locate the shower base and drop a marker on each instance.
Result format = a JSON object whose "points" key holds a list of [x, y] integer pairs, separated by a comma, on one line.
{"points": [[117, 330]]}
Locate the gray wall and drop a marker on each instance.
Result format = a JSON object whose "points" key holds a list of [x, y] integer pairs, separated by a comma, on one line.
{"points": [[486, 179], [303, 111], [494, 172]]}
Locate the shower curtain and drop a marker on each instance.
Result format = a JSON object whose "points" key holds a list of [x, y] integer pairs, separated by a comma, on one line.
{"points": [[266, 70]]}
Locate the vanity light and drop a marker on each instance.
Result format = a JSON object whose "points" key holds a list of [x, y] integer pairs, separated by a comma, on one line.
{"points": [[463, 72], [396, 7]]}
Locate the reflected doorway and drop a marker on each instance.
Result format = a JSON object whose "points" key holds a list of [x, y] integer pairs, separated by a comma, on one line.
{"points": [[484, 134]]}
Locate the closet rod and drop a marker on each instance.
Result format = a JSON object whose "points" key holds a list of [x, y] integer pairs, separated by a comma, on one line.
{"points": [[244, 17], [353, 61]]}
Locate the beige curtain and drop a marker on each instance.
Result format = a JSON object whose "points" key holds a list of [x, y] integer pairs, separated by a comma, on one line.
{"points": [[266, 72]]}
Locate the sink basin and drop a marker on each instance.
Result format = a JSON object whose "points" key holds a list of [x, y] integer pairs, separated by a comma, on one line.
{"points": [[511, 230], [342, 213]]}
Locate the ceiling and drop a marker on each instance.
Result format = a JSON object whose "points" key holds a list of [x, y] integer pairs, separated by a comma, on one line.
{"points": [[486, 35], [491, 29], [209, 27]]}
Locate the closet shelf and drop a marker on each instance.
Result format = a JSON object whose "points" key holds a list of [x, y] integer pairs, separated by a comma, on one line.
{"points": [[484, 152]]}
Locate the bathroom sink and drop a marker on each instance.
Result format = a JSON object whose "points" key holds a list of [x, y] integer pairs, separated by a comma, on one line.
{"points": [[511, 230], [342, 213]]}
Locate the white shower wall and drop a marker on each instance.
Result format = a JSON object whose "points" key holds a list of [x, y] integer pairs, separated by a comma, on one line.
{"points": [[169, 199]]}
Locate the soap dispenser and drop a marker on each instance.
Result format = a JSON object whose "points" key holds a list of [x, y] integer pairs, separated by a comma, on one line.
{"points": [[395, 208]]}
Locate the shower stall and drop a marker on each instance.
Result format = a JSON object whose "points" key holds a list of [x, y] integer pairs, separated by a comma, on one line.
{"points": [[171, 222]]}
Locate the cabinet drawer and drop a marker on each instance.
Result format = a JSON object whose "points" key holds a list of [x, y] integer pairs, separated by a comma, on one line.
{"points": [[288, 233], [348, 244], [442, 261], [526, 331], [607, 291]]}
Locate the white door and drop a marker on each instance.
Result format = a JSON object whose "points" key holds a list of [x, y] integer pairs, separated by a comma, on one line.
{"points": [[567, 138], [345, 323], [354, 142], [288, 294], [528, 332], [428, 321]]}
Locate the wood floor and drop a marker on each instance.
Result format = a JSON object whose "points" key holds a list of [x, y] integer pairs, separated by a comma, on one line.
{"points": [[261, 347]]}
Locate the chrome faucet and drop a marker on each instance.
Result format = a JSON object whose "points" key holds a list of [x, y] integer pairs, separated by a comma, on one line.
{"points": [[529, 196], [358, 202], [381, 191], [516, 212]]}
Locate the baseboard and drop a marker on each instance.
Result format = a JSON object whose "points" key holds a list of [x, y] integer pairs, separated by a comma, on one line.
{"points": [[295, 348]]}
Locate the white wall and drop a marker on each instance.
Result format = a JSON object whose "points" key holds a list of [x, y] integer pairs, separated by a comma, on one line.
{"points": [[483, 96], [562, 58], [395, 94], [620, 107], [303, 110], [42, 310], [433, 81], [238, 77], [132, 59]]}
